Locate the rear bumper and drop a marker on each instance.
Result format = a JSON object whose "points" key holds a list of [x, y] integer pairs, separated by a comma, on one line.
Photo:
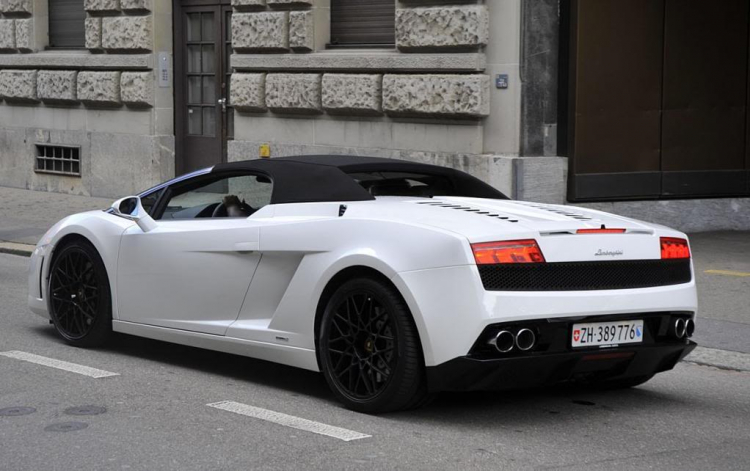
{"points": [[471, 374], [451, 308]]}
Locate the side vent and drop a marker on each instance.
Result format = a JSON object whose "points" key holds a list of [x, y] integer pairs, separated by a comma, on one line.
{"points": [[467, 209], [41, 278]]}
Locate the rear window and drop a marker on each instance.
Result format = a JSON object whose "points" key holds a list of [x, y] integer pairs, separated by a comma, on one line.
{"points": [[404, 184]]}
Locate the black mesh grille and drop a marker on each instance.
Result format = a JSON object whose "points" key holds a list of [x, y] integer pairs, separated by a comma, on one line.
{"points": [[582, 276]]}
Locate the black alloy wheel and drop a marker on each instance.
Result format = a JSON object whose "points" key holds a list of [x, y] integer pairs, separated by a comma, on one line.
{"points": [[78, 295], [369, 348]]}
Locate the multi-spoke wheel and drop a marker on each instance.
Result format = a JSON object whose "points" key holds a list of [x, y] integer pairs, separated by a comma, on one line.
{"points": [[78, 295], [369, 348]]}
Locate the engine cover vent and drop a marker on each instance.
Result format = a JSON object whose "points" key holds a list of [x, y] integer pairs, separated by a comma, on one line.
{"points": [[562, 212], [468, 209]]}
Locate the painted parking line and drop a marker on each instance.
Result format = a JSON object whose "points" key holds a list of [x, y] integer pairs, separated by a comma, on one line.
{"points": [[289, 421], [727, 273], [59, 364]]}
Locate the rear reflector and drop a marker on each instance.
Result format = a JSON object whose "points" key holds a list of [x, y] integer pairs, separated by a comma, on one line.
{"points": [[600, 231], [672, 247], [509, 251]]}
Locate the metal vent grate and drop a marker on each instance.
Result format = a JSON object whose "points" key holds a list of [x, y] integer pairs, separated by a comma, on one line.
{"points": [[59, 160], [585, 276], [562, 212], [467, 209]]}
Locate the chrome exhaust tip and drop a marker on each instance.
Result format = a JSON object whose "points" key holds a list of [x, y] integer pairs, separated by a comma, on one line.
{"points": [[679, 328], [525, 340], [503, 341], [689, 327]]}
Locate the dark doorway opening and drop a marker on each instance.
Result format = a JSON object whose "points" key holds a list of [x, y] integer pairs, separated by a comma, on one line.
{"points": [[203, 118]]}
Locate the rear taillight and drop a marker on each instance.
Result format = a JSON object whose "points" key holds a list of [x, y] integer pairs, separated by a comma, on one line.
{"points": [[509, 251], [672, 247]]}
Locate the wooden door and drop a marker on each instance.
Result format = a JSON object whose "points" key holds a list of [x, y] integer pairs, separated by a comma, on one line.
{"points": [[202, 49]]}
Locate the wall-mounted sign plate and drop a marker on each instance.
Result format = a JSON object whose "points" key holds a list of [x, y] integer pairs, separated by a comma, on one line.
{"points": [[501, 81]]}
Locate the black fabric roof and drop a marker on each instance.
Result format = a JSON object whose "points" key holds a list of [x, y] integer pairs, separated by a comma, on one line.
{"points": [[321, 178]]}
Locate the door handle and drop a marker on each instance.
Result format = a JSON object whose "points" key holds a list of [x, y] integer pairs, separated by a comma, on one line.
{"points": [[244, 247], [223, 103]]}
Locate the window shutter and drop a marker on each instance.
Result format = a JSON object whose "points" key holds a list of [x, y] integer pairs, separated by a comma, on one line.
{"points": [[67, 23], [363, 22]]}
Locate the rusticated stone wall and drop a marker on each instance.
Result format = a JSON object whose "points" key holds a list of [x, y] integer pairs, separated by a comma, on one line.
{"points": [[287, 28], [457, 27], [16, 26], [71, 87], [273, 25], [119, 26], [353, 93], [363, 94], [103, 100], [18, 85], [111, 27], [293, 92], [458, 95], [264, 31], [57, 86]]}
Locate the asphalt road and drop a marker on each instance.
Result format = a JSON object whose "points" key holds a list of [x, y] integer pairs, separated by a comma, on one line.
{"points": [[695, 417]]}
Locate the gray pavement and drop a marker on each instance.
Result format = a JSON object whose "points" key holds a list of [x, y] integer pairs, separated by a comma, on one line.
{"points": [[26, 215], [694, 417]]}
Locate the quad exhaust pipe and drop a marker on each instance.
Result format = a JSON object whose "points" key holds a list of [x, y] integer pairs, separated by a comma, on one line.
{"points": [[683, 328], [680, 326], [689, 328], [505, 341], [525, 340]]}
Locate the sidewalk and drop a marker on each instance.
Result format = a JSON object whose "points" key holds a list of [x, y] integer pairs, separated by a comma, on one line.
{"points": [[26, 215]]}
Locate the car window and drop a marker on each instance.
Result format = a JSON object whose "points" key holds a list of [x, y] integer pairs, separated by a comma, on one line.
{"points": [[229, 197], [149, 201], [404, 184]]}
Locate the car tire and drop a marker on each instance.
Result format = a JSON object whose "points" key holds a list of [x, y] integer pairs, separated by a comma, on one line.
{"points": [[78, 295], [369, 348]]}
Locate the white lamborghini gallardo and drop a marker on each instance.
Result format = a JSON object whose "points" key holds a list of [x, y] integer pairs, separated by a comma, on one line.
{"points": [[394, 279]]}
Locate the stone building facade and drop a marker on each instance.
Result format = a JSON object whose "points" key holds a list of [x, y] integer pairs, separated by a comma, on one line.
{"points": [[100, 100], [161, 87]]}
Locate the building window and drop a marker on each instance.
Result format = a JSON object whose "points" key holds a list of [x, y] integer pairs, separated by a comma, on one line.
{"points": [[60, 160], [363, 23], [67, 24]]}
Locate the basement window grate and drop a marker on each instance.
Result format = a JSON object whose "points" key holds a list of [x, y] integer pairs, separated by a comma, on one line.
{"points": [[58, 160]]}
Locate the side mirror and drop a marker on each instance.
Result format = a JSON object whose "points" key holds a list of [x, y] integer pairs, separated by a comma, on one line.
{"points": [[130, 208]]}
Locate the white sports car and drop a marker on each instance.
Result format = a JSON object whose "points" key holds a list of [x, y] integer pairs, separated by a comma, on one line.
{"points": [[394, 279]]}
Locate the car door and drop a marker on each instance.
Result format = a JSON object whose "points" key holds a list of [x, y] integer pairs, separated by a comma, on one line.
{"points": [[192, 272]]}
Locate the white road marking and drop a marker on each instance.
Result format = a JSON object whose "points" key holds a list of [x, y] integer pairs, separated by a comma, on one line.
{"points": [[289, 420], [740, 274], [59, 364]]}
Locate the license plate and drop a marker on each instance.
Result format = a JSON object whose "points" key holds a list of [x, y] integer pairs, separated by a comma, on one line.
{"points": [[607, 334]]}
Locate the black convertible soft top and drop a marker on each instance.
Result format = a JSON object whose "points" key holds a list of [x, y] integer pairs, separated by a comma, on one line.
{"points": [[323, 178]]}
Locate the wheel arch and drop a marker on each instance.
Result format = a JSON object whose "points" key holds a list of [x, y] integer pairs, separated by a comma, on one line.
{"points": [[349, 273], [65, 240], [97, 228]]}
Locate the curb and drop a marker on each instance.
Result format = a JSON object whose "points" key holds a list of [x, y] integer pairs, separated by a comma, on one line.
{"points": [[723, 359], [12, 248]]}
